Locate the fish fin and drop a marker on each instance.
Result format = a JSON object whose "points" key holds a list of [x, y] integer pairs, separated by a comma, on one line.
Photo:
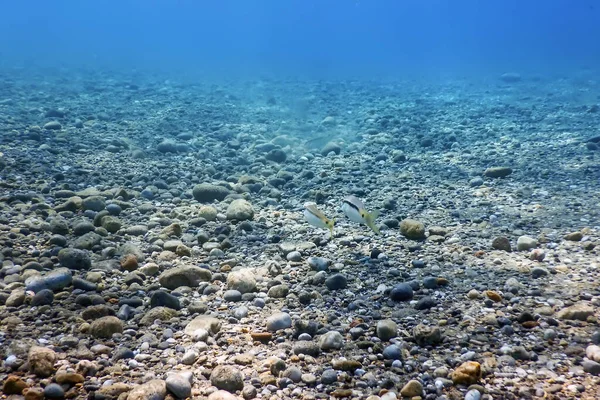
{"points": [[331, 226]]}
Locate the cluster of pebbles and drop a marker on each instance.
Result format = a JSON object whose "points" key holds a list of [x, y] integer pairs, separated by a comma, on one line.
{"points": [[153, 245]]}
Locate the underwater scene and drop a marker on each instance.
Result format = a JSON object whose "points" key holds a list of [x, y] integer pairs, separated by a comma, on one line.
{"points": [[312, 200]]}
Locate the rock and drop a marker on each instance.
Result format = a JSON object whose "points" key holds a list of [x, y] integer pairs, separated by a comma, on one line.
{"points": [[319, 263], [34, 394], [224, 395], [16, 299], [206, 322], [279, 291], [111, 224], [55, 280], [184, 275], [279, 321], [497, 172], [411, 389], [167, 146], [14, 385], [467, 373], [41, 361], [105, 327], [510, 77], [593, 352], [87, 241], [276, 155], [53, 126], [227, 378], [427, 336], [329, 376], [54, 391], [336, 282], [574, 236], [386, 329], [401, 292], [155, 389], [74, 259], [179, 384], [473, 394], [129, 262], [475, 182], [526, 243], [501, 243], [591, 367], [331, 147], [343, 364], [242, 280], [392, 352], [206, 193], [494, 296], [68, 378], [306, 347], [43, 297], [94, 203], [232, 295], [332, 340], [538, 272], [412, 229], [240, 210], [580, 312], [163, 299], [425, 303]]}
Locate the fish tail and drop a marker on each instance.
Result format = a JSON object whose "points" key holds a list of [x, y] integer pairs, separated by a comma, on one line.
{"points": [[371, 221]]}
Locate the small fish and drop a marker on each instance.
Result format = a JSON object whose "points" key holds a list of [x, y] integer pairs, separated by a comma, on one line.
{"points": [[355, 210], [316, 218]]}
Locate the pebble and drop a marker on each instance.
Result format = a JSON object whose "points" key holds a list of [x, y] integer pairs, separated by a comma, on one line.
{"points": [[526, 243], [319, 263], [54, 391], [227, 378], [163, 299], [473, 394], [336, 282], [386, 329], [332, 340], [329, 376], [179, 384], [232, 295], [242, 281], [43, 297], [279, 321], [392, 352], [412, 229], [105, 327], [401, 292], [411, 389], [467, 373]]}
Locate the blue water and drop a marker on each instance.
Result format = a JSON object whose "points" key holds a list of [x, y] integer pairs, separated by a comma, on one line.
{"points": [[321, 38]]}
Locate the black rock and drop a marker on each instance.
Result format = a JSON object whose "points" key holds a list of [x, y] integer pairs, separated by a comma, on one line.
{"points": [[123, 353], [276, 155], [425, 303], [82, 284], [125, 313], [430, 282], [336, 282], [161, 298], [402, 292], [42, 298], [74, 259]]}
